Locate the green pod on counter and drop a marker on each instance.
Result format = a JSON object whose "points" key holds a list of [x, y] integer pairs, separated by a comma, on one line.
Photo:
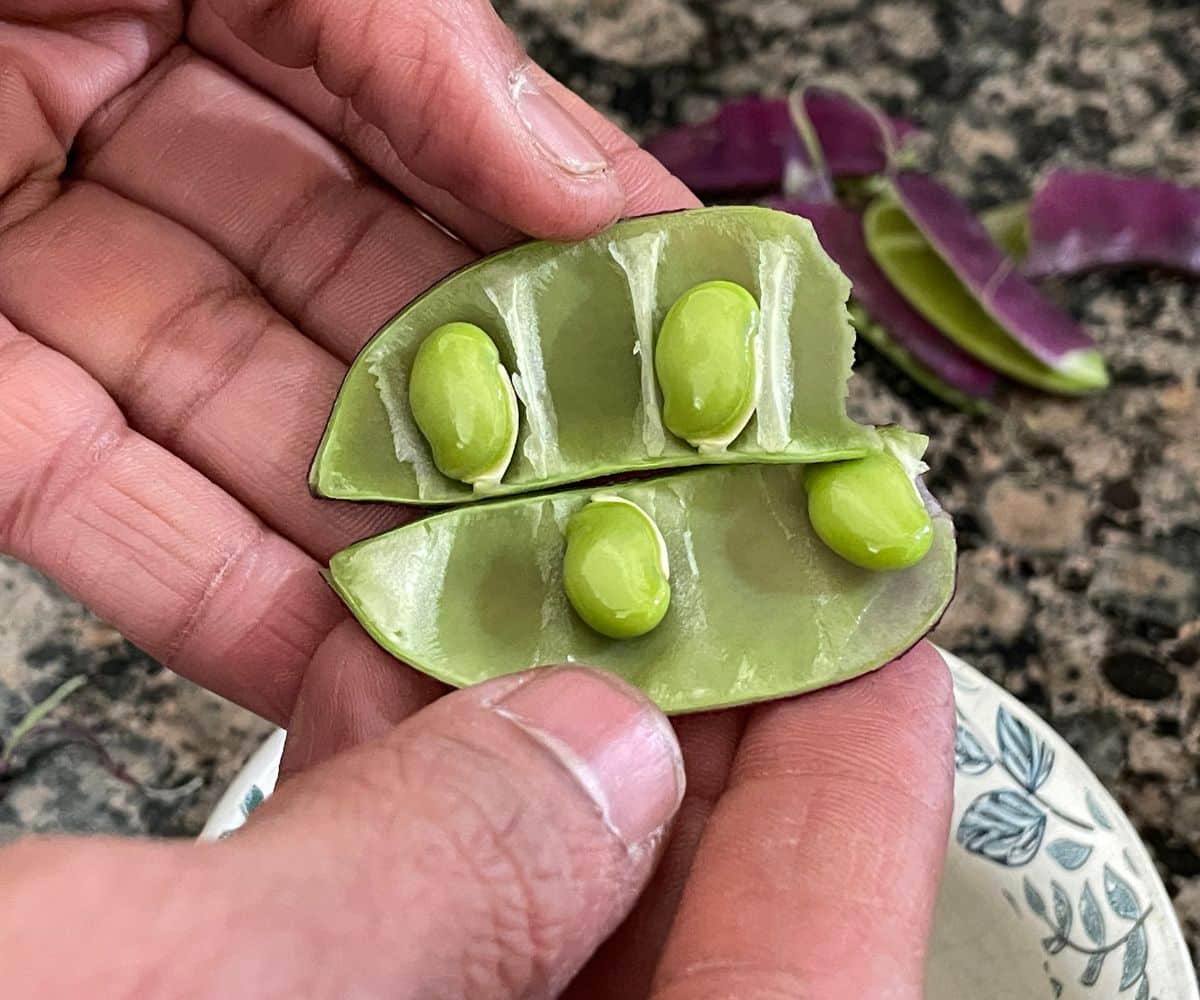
{"points": [[576, 325], [760, 607], [931, 286], [878, 338]]}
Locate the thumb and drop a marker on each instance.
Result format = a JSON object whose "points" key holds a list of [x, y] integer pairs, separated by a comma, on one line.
{"points": [[460, 103], [482, 849]]}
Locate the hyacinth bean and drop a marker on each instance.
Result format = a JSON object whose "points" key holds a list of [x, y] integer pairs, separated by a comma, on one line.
{"points": [[616, 571], [869, 511], [760, 606], [716, 338], [706, 366], [464, 404]]}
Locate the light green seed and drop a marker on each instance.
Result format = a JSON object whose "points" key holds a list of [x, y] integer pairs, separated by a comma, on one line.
{"points": [[463, 402], [615, 570], [869, 512], [706, 365]]}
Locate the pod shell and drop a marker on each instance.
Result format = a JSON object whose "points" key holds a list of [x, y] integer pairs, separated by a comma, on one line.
{"points": [[1080, 220], [964, 244], [840, 230], [925, 279], [752, 145], [575, 325], [760, 606]]}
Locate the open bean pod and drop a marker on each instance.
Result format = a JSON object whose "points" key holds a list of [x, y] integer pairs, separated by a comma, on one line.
{"points": [[951, 269], [576, 327], [895, 327], [924, 277], [761, 607]]}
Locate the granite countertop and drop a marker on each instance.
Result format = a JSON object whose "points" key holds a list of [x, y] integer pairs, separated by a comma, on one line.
{"points": [[1079, 521]]}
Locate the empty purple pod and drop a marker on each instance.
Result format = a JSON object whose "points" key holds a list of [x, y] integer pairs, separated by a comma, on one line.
{"points": [[746, 146], [752, 145], [961, 240], [1079, 220], [841, 234], [856, 138]]}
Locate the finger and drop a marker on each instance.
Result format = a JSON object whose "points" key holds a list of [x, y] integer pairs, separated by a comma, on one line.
{"points": [[352, 692], [647, 186], [59, 61], [535, 805], [479, 851], [184, 571], [623, 966], [332, 249], [817, 873], [180, 568], [449, 87], [303, 92], [197, 361]]}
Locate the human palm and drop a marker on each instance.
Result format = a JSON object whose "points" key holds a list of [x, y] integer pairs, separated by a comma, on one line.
{"points": [[205, 210]]}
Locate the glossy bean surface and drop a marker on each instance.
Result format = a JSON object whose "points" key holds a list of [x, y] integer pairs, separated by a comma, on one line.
{"points": [[464, 404], [869, 512], [707, 365], [616, 571]]}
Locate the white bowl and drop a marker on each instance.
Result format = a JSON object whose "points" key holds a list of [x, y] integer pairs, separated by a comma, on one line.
{"points": [[1048, 890]]}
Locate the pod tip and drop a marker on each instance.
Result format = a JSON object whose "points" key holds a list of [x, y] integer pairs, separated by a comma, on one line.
{"points": [[1086, 368]]}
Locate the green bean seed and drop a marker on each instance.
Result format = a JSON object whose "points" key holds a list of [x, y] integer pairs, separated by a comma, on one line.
{"points": [[463, 402], [869, 512], [615, 570], [706, 365]]}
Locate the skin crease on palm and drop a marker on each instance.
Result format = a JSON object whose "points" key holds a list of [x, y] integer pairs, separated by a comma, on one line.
{"points": [[205, 210]]}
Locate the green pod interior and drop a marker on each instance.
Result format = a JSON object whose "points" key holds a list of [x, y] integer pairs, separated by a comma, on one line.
{"points": [[760, 607], [927, 281], [1008, 225], [878, 337], [575, 324]]}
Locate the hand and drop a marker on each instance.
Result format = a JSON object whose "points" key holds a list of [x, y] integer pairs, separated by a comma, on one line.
{"points": [[177, 307]]}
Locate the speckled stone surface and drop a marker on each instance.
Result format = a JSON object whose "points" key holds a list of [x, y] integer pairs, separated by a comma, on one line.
{"points": [[171, 746], [1079, 521]]}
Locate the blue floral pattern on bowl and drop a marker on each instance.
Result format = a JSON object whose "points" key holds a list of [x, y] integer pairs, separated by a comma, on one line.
{"points": [[249, 790], [1064, 857]]}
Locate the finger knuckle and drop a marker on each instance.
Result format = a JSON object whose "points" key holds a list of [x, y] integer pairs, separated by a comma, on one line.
{"points": [[49, 451]]}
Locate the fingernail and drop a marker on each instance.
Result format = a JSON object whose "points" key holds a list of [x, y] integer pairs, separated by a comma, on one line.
{"points": [[557, 133], [619, 747]]}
